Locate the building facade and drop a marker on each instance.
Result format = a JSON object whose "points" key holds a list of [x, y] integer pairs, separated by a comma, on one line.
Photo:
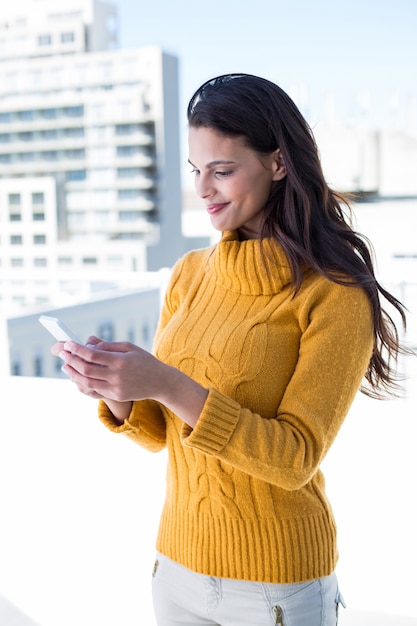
{"points": [[89, 145]]}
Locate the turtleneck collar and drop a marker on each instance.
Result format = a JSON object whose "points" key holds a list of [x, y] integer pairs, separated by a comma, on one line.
{"points": [[250, 267]]}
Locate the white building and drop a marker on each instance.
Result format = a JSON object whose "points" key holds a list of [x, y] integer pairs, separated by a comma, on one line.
{"points": [[30, 28], [89, 145], [374, 162]]}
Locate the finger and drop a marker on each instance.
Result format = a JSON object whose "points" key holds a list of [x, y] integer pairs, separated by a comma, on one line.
{"points": [[115, 346], [94, 388], [86, 384], [88, 353], [76, 366], [91, 393], [56, 348], [92, 340]]}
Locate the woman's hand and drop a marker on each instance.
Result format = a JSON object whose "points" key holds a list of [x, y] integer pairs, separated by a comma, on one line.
{"points": [[120, 372], [117, 371]]}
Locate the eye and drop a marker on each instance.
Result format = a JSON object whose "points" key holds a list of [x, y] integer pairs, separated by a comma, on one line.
{"points": [[194, 171], [224, 173]]}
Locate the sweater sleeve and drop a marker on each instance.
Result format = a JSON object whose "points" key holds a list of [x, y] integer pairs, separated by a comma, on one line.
{"points": [[334, 353], [145, 424]]}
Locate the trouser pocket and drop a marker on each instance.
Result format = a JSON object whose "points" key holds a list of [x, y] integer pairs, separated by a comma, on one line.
{"points": [[339, 601]]}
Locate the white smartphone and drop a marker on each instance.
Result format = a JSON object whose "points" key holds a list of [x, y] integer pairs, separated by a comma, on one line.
{"points": [[58, 329]]}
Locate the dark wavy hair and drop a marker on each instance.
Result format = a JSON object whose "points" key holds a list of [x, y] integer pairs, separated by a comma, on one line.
{"points": [[307, 218]]}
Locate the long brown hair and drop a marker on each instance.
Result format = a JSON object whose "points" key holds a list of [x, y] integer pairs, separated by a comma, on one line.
{"points": [[309, 220]]}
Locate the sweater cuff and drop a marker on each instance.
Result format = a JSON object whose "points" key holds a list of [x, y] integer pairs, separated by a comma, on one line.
{"points": [[108, 419], [215, 425]]}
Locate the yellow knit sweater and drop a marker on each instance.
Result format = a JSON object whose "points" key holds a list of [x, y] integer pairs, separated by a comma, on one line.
{"points": [[245, 496]]}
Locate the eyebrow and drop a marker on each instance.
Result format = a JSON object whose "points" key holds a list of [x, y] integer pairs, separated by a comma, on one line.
{"points": [[215, 163]]}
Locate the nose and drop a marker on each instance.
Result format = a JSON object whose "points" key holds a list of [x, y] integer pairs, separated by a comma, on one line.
{"points": [[203, 186]]}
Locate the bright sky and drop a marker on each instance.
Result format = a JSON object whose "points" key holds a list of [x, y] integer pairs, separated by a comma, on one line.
{"points": [[364, 52]]}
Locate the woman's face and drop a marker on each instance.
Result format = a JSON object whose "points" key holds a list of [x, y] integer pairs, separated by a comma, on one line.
{"points": [[233, 180]]}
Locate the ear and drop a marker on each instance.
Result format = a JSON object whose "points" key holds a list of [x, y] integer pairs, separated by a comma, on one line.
{"points": [[278, 166]]}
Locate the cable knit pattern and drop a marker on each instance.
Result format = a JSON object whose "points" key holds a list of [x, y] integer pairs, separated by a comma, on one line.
{"points": [[245, 495]]}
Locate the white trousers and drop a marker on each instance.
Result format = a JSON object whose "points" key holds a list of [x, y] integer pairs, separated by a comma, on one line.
{"points": [[183, 598]]}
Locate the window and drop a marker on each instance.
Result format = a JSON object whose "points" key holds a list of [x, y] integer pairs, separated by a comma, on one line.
{"points": [[145, 332], [16, 262], [128, 172], [90, 260], [129, 216], [74, 111], [65, 260], [131, 335], [15, 216], [39, 239], [127, 129], [77, 175], [5, 137], [38, 197], [106, 331], [5, 158], [17, 368], [75, 154], [5, 117], [128, 194], [26, 157], [16, 240], [38, 216], [14, 199], [74, 132], [44, 40], [50, 155], [117, 261], [49, 114], [51, 133], [124, 151], [68, 37], [38, 366], [27, 136], [40, 262], [26, 116]]}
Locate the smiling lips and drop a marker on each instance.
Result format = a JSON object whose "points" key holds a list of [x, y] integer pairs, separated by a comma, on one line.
{"points": [[214, 208]]}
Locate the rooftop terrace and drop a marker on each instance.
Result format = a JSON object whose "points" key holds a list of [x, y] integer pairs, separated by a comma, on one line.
{"points": [[80, 510]]}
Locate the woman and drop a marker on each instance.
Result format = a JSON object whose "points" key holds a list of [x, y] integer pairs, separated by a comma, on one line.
{"points": [[263, 342]]}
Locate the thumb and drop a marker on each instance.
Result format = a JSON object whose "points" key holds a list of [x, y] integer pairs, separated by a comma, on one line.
{"points": [[92, 341]]}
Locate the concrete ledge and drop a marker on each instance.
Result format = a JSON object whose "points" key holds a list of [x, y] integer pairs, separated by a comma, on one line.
{"points": [[11, 616]]}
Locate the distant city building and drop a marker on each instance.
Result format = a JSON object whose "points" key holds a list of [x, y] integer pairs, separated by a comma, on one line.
{"points": [[89, 145], [40, 28], [374, 162], [119, 316]]}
